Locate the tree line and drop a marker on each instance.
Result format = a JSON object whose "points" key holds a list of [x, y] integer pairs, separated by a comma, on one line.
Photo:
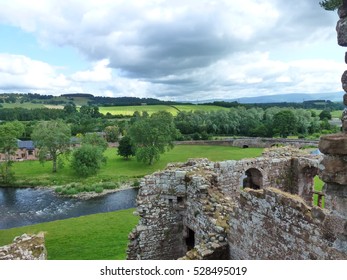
{"points": [[254, 122], [148, 136]]}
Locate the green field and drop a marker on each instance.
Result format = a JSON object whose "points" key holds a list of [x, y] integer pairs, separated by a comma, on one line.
{"points": [[26, 105], [117, 169], [94, 237], [336, 114], [129, 110]]}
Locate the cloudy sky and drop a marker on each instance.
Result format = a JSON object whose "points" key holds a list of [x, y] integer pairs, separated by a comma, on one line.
{"points": [[169, 49]]}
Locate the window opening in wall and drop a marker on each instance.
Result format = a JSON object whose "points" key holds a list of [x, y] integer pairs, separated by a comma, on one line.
{"points": [[190, 240], [170, 201], [318, 195], [180, 200], [253, 179]]}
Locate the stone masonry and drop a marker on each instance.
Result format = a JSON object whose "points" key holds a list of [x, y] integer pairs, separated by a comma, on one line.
{"points": [[249, 209], [25, 247]]}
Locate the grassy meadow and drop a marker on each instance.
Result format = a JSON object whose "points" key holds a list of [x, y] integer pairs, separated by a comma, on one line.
{"points": [[94, 237], [150, 109], [32, 173]]}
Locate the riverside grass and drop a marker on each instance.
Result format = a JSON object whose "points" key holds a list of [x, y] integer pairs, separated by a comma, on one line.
{"points": [[32, 173], [101, 236]]}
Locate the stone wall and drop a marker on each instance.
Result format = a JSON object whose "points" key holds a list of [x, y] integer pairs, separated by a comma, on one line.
{"points": [[270, 224], [253, 142], [25, 247], [200, 210]]}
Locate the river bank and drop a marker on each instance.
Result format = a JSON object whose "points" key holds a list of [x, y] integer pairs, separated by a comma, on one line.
{"points": [[26, 206], [90, 195]]}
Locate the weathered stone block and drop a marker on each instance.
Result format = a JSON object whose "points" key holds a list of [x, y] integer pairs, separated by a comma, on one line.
{"points": [[336, 198], [342, 12], [25, 247], [344, 81], [335, 170], [318, 214], [333, 144], [341, 29]]}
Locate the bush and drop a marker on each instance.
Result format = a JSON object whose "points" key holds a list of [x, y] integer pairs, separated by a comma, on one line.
{"points": [[87, 160], [89, 188], [69, 191], [110, 185], [196, 136], [98, 189], [58, 189], [136, 184]]}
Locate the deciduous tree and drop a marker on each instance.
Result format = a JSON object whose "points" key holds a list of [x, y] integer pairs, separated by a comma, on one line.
{"points": [[153, 136], [112, 133], [284, 123], [9, 134], [126, 148], [52, 138], [95, 140], [87, 160]]}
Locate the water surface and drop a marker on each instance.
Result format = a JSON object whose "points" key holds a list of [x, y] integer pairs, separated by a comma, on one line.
{"points": [[25, 206]]}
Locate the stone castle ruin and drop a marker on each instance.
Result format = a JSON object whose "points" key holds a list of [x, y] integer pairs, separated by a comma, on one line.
{"points": [[249, 209], [258, 208]]}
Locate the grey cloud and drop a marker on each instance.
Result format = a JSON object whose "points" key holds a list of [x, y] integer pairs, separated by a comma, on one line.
{"points": [[172, 45]]}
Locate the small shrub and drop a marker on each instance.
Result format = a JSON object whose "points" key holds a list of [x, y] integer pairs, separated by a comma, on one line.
{"points": [[110, 185], [58, 189], [98, 189], [89, 188], [136, 184], [71, 191]]}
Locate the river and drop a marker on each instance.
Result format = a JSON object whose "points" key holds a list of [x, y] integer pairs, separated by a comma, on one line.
{"points": [[26, 206]]}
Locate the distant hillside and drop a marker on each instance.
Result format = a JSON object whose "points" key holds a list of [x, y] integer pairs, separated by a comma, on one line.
{"points": [[79, 99], [279, 98]]}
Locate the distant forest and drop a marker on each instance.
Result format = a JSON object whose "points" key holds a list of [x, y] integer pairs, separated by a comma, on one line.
{"points": [[92, 100]]}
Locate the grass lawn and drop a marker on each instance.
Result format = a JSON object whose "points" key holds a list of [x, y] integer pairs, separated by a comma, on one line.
{"points": [[118, 169], [94, 237]]}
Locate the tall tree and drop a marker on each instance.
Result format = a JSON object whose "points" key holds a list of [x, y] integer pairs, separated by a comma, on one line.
{"points": [[52, 138], [126, 148], [153, 136], [95, 140], [284, 123], [112, 133], [9, 134]]}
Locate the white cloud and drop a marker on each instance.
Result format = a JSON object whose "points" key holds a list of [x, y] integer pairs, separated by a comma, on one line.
{"points": [[19, 72], [99, 73]]}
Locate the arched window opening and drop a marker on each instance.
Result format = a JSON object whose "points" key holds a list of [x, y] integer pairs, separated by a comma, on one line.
{"points": [[253, 179], [190, 239]]}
